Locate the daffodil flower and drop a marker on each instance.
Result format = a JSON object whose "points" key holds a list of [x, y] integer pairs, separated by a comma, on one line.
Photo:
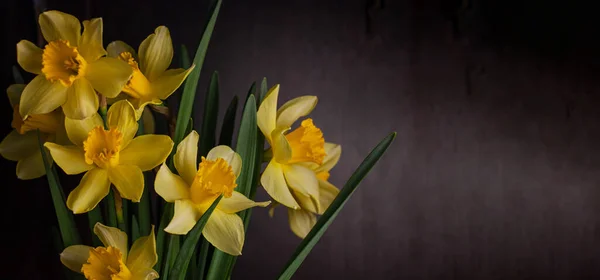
{"points": [[151, 82], [70, 68], [194, 191], [302, 220], [108, 156], [114, 260], [287, 178], [21, 144]]}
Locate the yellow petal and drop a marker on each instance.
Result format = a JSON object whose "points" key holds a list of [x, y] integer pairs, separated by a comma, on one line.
{"points": [[169, 186], [112, 237], [145, 274], [78, 130], [225, 232], [147, 151], [156, 52], [294, 109], [57, 25], [128, 180], [82, 101], [41, 96], [94, 186], [108, 75], [274, 183], [186, 156], [327, 193], [31, 167], [121, 116], [17, 146], [115, 48], [306, 202], [143, 253], [184, 218], [90, 46], [14, 93], [332, 156], [70, 158], [267, 113], [75, 256], [29, 56], [230, 156], [282, 151], [169, 81], [302, 180], [148, 121], [301, 222], [238, 202]]}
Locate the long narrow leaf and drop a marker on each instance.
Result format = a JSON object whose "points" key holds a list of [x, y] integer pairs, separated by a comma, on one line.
{"points": [[202, 258], [160, 235], [95, 216], [172, 253], [66, 222], [191, 83], [246, 147], [211, 112], [185, 57], [228, 123], [336, 206], [143, 207], [189, 245]]}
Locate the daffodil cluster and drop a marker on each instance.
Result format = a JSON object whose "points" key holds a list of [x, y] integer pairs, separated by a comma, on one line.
{"points": [[86, 112], [298, 172]]}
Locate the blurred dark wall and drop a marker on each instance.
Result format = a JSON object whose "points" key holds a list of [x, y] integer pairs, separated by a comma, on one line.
{"points": [[494, 173]]}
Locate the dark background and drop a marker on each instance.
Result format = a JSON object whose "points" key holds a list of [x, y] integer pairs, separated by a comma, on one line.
{"points": [[493, 175]]}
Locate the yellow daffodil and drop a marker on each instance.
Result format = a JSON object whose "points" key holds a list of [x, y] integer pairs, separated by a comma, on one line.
{"points": [[151, 82], [70, 68], [303, 220], [114, 260], [108, 156], [198, 186], [287, 177], [21, 145]]}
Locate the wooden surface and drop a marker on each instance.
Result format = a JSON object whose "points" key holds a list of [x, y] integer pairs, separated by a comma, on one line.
{"points": [[494, 174]]}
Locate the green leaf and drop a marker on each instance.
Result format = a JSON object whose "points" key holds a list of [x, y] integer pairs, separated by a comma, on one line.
{"points": [[190, 127], [160, 235], [111, 212], [246, 147], [191, 83], [260, 144], [251, 91], [135, 229], [189, 245], [202, 258], [228, 123], [66, 222], [172, 253], [336, 206], [211, 112], [95, 216], [185, 57], [144, 206]]}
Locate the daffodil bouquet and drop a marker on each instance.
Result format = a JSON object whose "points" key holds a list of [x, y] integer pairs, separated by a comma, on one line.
{"points": [[179, 197]]}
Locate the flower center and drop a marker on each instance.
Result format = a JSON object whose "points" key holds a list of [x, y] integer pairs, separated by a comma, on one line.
{"points": [[138, 85], [48, 123], [62, 62], [102, 147], [324, 175], [105, 264], [213, 179], [307, 143]]}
